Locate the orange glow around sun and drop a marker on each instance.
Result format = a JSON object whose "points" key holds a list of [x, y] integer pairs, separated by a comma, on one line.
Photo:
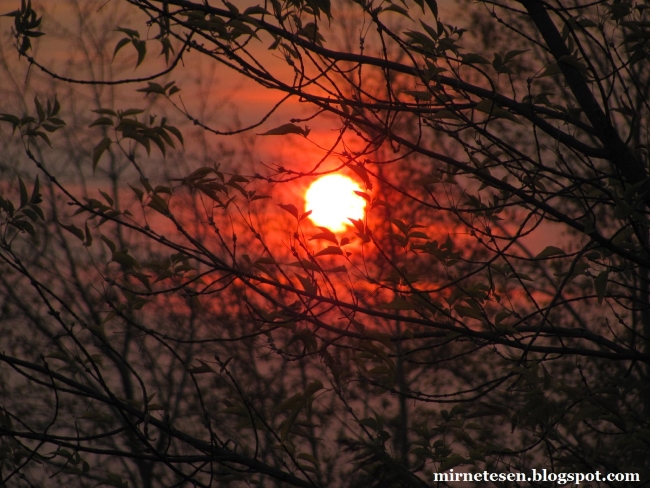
{"points": [[332, 201]]}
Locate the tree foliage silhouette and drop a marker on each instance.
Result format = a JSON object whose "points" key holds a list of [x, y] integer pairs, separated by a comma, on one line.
{"points": [[171, 321]]}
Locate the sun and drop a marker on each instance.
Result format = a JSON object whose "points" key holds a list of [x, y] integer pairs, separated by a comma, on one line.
{"points": [[332, 201]]}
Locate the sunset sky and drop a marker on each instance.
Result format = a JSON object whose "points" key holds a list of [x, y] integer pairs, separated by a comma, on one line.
{"points": [[216, 95]]}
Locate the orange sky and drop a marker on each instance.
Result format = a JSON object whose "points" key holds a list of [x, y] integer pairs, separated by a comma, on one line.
{"points": [[225, 96]]}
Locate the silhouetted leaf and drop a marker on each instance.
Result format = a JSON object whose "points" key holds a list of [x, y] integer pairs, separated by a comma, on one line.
{"points": [[550, 251], [109, 243], [473, 58], [289, 208], [39, 110], [24, 199], [204, 368], [551, 69], [107, 197], [287, 129], [305, 265], [422, 95], [363, 195], [120, 45], [158, 204], [88, 236], [398, 9], [99, 149], [125, 259], [600, 283], [141, 48], [325, 234], [329, 250], [73, 229], [398, 303], [361, 173], [102, 121], [433, 5], [307, 284]]}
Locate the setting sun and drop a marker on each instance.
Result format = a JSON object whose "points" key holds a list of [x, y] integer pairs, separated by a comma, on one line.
{"points": [[332, 201]]}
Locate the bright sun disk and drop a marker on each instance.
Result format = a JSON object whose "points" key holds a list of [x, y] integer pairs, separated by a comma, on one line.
{"points": [[332, 201]]}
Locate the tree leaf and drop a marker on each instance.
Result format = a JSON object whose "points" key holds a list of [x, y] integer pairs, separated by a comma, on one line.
{"points": [[288, 424], [600, 283], [291, 208], [313, 387], [325, 234], [489, 107], [36, 210], [433, 5], [109, 243], [422, 95], [130, 112], [510, 55], [307, 457], [550, 251], [361, 173], [445, 114], [132, 33], [36, 192], [158, 204], [138, 192], [102, 121], [105, 111], [88, 236], [451, 461], [303, 263], [141, 47], [73, 229], [153, 88], [307, 284], [363, 195], [25, 226], [24, 198], [123, 42], [328, 251], [398, 303], [291, 403], [174, 130], [107, 197], [404, 229], [551, 69], [499, 317], [337, 269], [398, 9], [287, 129], [125, 259], [204, 368], [464, 311], [473, 58], [39, 110], [99, 149]]}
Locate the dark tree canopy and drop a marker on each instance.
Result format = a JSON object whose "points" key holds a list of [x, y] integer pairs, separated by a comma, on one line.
{"points": [[171, 316]]}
